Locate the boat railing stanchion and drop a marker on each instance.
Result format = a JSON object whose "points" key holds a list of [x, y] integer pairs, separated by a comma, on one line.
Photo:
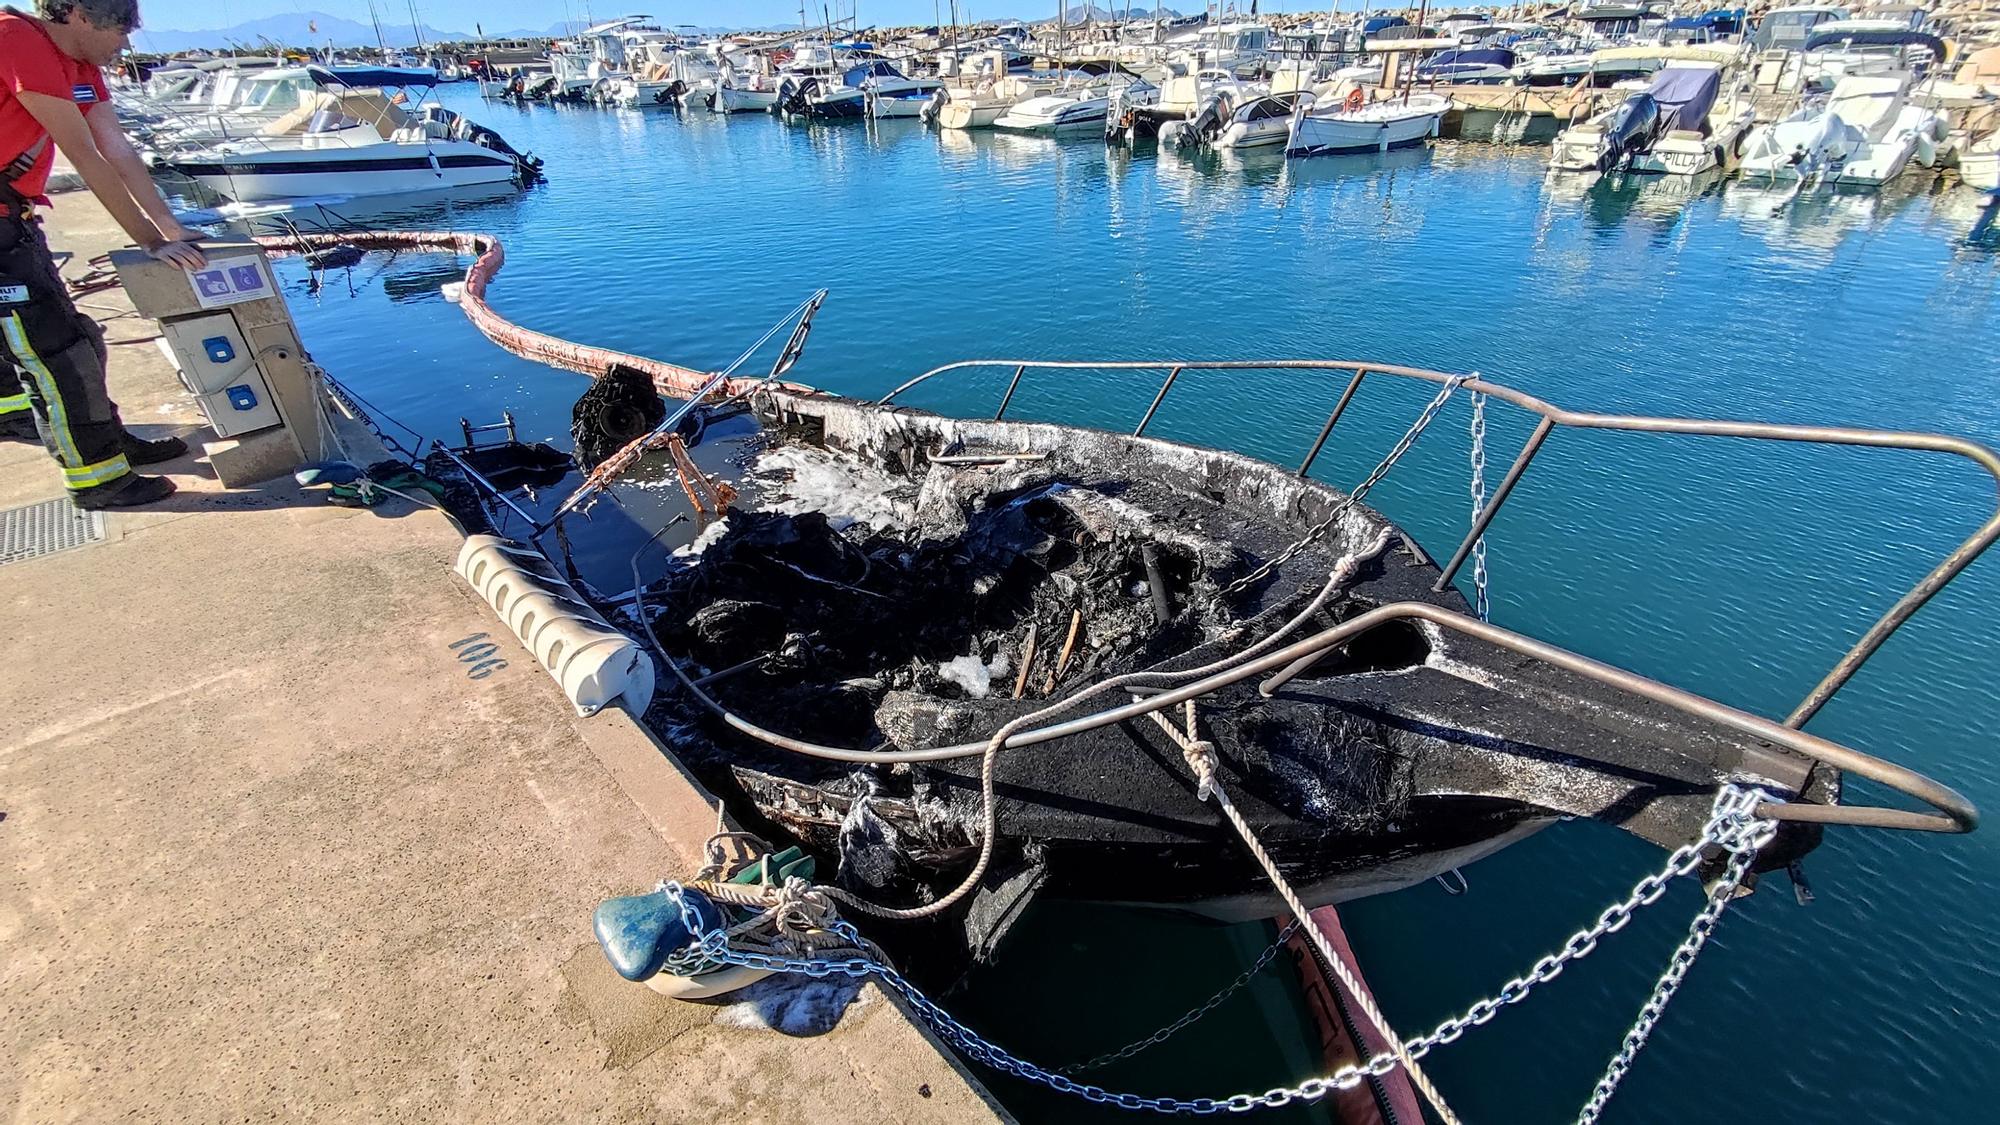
{"points": [[1326, 431], [1165, 386], [1507, 483], [1012, 384]]}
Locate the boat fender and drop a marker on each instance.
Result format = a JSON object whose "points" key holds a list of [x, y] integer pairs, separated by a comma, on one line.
{"points": [[594, 663]]}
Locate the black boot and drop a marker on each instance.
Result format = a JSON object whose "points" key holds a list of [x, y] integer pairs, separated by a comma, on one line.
{"points": [[139, 451], [19, 427], [128, 491]]}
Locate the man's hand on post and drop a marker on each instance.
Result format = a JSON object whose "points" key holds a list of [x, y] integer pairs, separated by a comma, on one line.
{"points": [[186, 255]]}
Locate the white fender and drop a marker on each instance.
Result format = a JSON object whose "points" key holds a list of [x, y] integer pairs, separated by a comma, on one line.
{"points": [[594, 663]]}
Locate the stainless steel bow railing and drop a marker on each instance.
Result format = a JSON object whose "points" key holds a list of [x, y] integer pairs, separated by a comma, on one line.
{"points": [[1958, 814]]}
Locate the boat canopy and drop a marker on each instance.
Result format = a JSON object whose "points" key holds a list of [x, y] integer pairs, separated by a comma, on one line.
{"points": [[856, 75], [1470, 57], [1721, 20], [1837, 35], [1685, 94], [1379, 24], [358, 76]]}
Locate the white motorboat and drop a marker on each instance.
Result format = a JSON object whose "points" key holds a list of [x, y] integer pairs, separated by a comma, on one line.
{"points": [[1865, 134], [847, 95], [1262, 121], [1679, 124], [1211, 94], [979, 105], [899, 96], [1353, 124], [358, 142], [1075, 107], [1242, 49], [755, 95], [1840, 49]]}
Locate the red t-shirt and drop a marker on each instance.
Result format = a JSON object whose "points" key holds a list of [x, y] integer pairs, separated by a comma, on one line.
{"points": [[30, 62]]}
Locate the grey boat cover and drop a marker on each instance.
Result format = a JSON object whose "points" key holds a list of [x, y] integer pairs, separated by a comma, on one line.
{"points": [[1685, 94]]}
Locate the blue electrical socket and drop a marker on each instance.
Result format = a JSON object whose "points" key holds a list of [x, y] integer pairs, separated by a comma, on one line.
{"points": [[219, 349], [242, 397]]}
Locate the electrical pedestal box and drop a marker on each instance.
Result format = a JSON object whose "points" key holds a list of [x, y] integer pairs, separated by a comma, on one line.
{"points": [[228, 332]]}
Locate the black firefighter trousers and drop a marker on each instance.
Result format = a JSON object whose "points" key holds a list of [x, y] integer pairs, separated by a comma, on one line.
{"points": [[52, 357]]}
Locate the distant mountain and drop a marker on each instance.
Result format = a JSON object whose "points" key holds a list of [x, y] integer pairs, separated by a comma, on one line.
{"points": [[305, 29], [316, 29], [1116, 12]]}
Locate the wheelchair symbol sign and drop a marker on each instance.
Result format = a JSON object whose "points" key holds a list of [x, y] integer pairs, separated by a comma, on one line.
{"points": [[230, 281]]}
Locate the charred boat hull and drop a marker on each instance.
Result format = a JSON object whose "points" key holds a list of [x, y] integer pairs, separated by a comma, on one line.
{"points": [[1404, 753]]}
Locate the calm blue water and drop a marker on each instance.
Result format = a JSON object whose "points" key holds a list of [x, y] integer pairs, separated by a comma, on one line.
{"points": [[1736, 570]]}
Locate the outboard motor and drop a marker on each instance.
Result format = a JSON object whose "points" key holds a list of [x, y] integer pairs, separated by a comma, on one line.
{"points": [[795, 102], [935, 107], [1630, 129]]}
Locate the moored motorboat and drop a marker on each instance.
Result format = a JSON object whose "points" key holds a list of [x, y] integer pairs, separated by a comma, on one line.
{"points": [[1865, 134], [1077, 106], [1354, 124], [358, 142], [1680, 124]]}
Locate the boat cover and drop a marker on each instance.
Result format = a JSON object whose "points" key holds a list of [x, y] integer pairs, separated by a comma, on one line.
{"points": [[1723, 20], [1867, 101], [1835, 36], [1470, 57], [856, 75], [1685, 94], [373, 76]]}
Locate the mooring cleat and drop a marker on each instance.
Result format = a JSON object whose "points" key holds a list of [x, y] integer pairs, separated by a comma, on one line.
{"points": [[639, 932]]}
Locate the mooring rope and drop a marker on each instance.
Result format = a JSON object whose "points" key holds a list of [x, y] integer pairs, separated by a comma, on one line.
{"points": [[1201, 758]]}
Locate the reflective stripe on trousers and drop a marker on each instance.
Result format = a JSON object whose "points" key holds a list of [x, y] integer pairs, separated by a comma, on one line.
{"points": [[57, 355]]}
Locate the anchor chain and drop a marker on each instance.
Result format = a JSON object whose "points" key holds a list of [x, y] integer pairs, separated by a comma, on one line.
{"points": [[1359, 492], [1733, 826], [1479, 599], [1194, 1014]]}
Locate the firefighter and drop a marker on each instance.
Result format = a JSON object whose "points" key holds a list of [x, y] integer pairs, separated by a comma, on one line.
{"points": [[52, 357]]}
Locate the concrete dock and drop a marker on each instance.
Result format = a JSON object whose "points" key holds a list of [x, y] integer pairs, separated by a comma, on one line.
{"points": [[270, 853]]}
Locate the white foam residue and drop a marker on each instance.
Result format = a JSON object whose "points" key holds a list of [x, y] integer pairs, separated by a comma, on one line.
{"points": [[972, 674], [800, 479], [701, 542]]}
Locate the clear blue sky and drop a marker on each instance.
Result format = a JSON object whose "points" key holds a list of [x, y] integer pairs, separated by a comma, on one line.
{"points": [[459, 15]]}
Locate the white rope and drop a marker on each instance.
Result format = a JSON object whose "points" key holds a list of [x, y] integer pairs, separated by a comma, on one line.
{"points": [[1201, 759]]}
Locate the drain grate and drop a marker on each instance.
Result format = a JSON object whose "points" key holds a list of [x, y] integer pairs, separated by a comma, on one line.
{"points": [[43, 529]]}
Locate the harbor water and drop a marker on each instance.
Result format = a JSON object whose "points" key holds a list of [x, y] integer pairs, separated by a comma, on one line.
{"points": [[1737, 569]]}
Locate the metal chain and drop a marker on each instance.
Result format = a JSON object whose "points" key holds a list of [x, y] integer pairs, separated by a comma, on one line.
{"points": [[1734, 811], [1193, 1014], [1360, 491], [1742, 851], [1201, 758], [1479, 602], [1732, 825]]}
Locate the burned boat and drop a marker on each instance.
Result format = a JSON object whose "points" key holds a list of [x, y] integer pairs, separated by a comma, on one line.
{"points": [[942, 652], [970, 572]]}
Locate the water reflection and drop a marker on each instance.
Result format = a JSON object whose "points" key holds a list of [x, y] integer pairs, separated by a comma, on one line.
{"points": [[1814, 222]]}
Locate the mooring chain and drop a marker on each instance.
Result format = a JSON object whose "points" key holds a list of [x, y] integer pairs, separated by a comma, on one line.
{"points": [[1194, 1014], [1733, 826], [1479, 600], [1202, 759], [1744, 836], [1360, 491]]}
